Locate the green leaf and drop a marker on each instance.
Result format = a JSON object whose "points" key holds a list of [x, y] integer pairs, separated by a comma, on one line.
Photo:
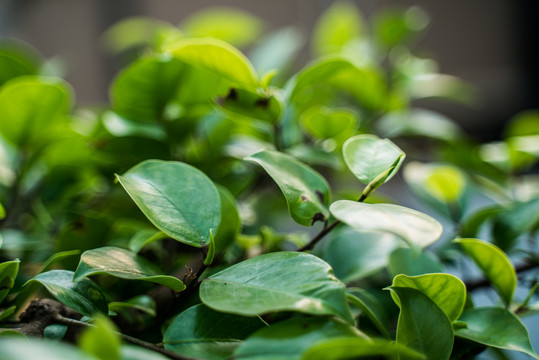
{"points": [[354, 347], [83, 296], [422, 325], [447, 291], [511, 222], [340, 24], [143, 89], [55, 332], [6, 313], [307, 193], [394, 27], [234, 26], [277, 282], [368, 156], [201, 332], [355, 254], [177, 198], [101, 340], [2, 212], [498, 328], [218, 57], [230, 224], [8, 274], [495, 265], [413, 226], [143, 303], [131, 352], [29, 104], [210, 250], [369, 306], [413, 262], [17, 59], [124, 264], [289, 339], [524, 123], [324, 123], [266, 107], [24, 349]]}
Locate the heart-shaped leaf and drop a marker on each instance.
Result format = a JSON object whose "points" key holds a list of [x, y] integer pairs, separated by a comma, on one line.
{"points": [[124, 264], [306, 191], [422, 325], [413, 226], [177, 198], [217, 56], [201, 332], [289, 339], [372, 160], [447, 291], [498, 328], [495, 265], [277, 282], [83, 296]]}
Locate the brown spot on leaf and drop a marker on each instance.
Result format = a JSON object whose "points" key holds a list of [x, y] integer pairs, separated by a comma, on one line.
{"points": [[317, 217], [262, 102], [304, 198]]}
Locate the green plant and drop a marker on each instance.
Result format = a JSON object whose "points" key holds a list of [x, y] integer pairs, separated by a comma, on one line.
{"points": [[210, 266]]}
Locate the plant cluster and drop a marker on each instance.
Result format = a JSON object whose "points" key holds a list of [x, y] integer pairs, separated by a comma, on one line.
{"points": [[191, 253]]}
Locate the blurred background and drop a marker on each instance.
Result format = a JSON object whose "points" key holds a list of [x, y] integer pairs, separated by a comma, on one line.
{"points": [[493, 45]]}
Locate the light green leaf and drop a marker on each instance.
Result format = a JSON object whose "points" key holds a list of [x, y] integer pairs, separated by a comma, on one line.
{"points": [[324, 123], [124, 264], [235, 26], [355, 254], [277, 282], [340, 24], [101, 340], [369, 306], [48, 264], [289, 339], [422, 325], [143, 89], [2, 212], [145, 237], [524, 123], [447, 291], [354, 347], [230, 224], [498, 328], [131, 352], [8, 273], [210, 250], [413, 262], [413, 226], [368, 156], [83, 296], [219, 57], [307, 193], [17, 59], [201, 332], [495, 265], [266, 107], [23, 349], [177, 198], [394, 27], [143, 303], [29, 104], [6, 313]]}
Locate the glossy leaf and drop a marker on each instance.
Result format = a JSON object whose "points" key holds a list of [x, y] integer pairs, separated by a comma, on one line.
{"points": [[23, 349], [447, 291], [124, 264], [495, 265], [368, 156], [101, 340], [413, 226], [83, 296], [354, 347], [422, 325], [412, 262], [234, 26], [289, 339], [355, 254], [509, 223], [324, 123], [8, 274], [340, 24], [230, 223], [177, 198], [201, 332], [29, 104], [142, 90], [218, 57], [498, 328], [307, 193], [276, 282]]}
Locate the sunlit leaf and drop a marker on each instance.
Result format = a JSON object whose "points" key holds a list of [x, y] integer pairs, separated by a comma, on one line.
{"points": [[413, 226], [101, 340], [124, 264], [422, 325], [323, 122], [524, 123], [289, 339], [495, 265], [276, 282], [498, 328], [177, 198], [17, 59], [201, 332], [83, 296], [306, 191]]}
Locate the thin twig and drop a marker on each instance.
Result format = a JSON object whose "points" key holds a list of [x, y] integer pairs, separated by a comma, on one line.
{"points": [[76, 323]]}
